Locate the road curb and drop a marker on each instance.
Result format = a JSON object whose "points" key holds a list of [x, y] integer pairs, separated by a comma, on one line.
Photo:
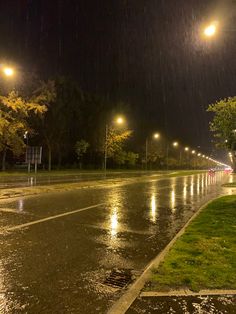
{"points": [[186, 293], [123, 304]]}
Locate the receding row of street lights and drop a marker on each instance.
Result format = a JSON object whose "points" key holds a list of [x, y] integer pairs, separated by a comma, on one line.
{"points": [[119, 120]]}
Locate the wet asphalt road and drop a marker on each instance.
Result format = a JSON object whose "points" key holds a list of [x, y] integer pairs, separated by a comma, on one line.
{"points": [[44, 180], [60, 265]]}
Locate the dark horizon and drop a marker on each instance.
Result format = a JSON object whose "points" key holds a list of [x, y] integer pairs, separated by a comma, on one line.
{"points": [[149, 55]]}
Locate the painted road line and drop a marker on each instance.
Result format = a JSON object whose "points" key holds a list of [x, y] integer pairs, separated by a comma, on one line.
{"points": [[186, 293], [52, 217]]}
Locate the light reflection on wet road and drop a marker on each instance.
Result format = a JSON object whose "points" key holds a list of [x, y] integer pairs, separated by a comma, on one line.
{"points": [[59, 266], [45, 180]]}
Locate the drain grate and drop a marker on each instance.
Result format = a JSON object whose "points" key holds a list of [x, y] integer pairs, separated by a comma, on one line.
{"points": [[119, 278]]}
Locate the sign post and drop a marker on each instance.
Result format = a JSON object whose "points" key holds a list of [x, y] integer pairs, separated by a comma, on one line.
{"points": [[33, 156]]}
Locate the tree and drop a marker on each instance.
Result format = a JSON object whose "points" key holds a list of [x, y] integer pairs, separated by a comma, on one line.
{"points": [[224, 125], [116, 139], [126, 158], [59, 127], [81, 149], [45, 93], [14, 114]]}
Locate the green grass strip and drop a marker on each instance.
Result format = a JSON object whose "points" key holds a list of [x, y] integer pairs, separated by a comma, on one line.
{"points": [[230, 185], [204, 257]]}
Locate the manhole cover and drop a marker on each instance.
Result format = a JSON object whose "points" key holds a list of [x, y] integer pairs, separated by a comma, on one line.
{"points": [[119, 278]]}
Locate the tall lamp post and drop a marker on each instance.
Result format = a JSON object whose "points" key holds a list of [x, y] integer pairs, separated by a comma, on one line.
{"points": [[119, 121], [186, 149], [174, 144], [155, 136], [194, 161]]}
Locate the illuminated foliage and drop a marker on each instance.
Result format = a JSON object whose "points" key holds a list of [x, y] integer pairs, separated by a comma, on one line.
{"points": [[115, 140], [224, 124], [14, 114]]}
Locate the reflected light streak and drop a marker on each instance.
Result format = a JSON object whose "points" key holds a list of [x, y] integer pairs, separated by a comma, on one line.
{"points": [[185, 192], [198, 184], [191, 187], [153, 208], [20, 205], [185, 189], [115, 198], [203, 182], [173, 200], [114, 223]]}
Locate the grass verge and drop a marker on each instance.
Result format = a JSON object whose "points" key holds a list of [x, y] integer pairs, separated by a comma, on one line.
{"points": [[204, 257], [230, 185]]}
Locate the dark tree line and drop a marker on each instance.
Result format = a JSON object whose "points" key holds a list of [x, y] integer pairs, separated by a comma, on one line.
{"points": [[71, 116], [70, 124]]}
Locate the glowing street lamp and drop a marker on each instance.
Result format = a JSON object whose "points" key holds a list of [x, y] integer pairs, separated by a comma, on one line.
{"points": [[8, 71], [187, 158], [174, 144], [155, 136], [193, 152], [119, 121], [211, 29]]}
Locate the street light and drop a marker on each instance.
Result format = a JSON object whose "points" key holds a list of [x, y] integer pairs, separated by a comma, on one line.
{"points": [[8, 71], [119, 120], [175, 144], [187, 159], [211, 29], [155, 136]]}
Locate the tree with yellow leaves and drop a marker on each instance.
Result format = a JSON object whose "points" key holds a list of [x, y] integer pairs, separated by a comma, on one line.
{"points": [[14, 115]]}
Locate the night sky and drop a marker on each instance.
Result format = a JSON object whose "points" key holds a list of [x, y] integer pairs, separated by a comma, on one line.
{"points": [[148, 53]]}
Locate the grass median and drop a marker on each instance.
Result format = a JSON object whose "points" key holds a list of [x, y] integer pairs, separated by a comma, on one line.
{"points": [[204, 257], [230, 185]]}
